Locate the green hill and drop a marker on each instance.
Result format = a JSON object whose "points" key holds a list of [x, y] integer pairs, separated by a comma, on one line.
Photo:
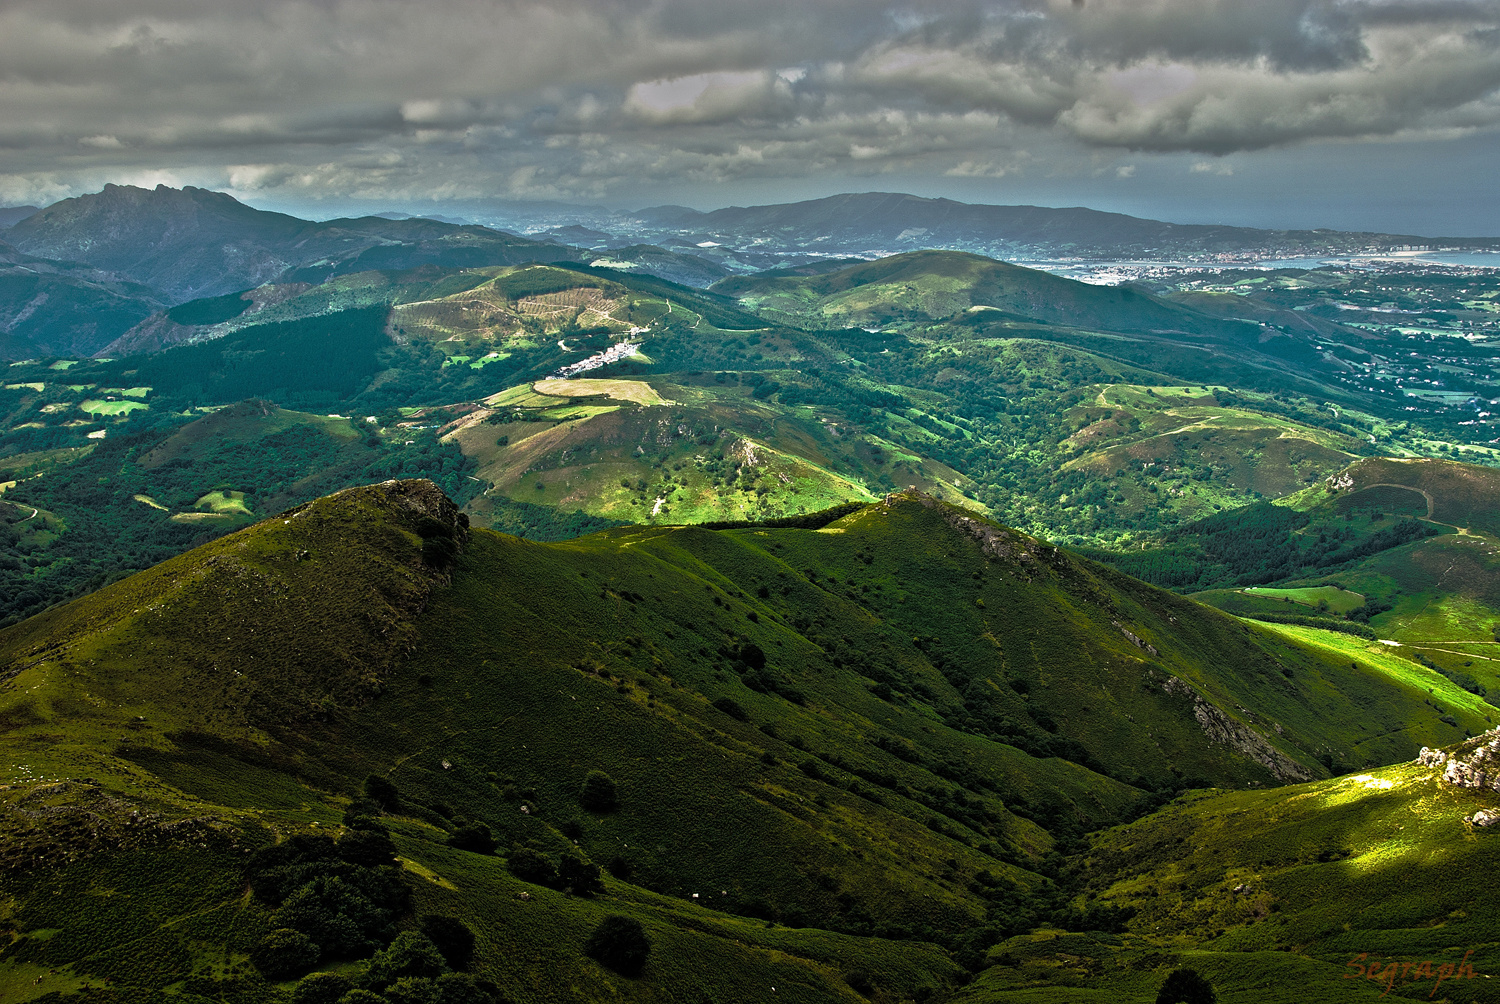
{"points": [[838, 754], [1355, 888], [935, 285]]}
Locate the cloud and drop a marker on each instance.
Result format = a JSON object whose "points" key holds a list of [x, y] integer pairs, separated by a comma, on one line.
{"points": [[589, 98], [1205, 167]]}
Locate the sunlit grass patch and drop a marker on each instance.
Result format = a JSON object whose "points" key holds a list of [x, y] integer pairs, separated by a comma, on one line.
{"points": [[94, 407], [1339, 601], [224, 502], [621, 390]]}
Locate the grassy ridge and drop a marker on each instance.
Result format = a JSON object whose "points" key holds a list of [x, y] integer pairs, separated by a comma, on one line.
{"points": [[844, 756]]}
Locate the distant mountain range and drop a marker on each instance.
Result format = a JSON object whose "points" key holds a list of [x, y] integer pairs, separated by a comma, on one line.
{"points": [[890, 222], [11, 215], [191, 242], [103, 263]]}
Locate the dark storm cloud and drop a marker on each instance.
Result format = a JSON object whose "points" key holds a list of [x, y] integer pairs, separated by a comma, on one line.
{"points": [[474, 97]]}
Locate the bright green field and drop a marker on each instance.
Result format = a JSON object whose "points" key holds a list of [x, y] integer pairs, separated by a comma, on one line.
{"points": [[112, 407], [224, 502], [1384, 659], [1339, 601]]}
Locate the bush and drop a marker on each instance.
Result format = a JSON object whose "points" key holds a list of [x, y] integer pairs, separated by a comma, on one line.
{"points": [[362, 997], [619, 943], [1096, 917], [320, 988], [1185, 986], [474, 837], [598, 793], [382, 791], [337, 915], [284, 953], [731, 707], [371, 848], [411, 954], [530, 866], [452, 988], [452, 937], [461, 988], [411, 990], [579, 877]]}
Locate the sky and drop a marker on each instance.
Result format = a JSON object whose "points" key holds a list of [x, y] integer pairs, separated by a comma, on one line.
{"points": [[1351, 114]]}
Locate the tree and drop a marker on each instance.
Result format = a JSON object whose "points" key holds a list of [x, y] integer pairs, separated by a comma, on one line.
{"points": [[531, 866], [619, 943], [452, 937], [732, 708], [411, 954], [411, 990], [369, 847], [579, 877], [320, 988], [598, 793], [382, 791], [474, 837], [1185, 986], [284, 953]]}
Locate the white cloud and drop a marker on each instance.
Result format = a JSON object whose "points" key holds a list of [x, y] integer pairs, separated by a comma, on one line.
{"points": [[1220, 168]]}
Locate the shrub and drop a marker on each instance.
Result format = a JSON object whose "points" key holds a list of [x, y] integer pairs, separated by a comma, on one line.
{"points": [[452, 937], [1185, 986], [598, 793], [619, 943], [371, 848], [411, 954], [320, 988], [579, 877], [283, 953], [474, 837], [382, 791], [336, 914], [1096, 917], [731, 707], [452, 988], [358, 996], [411, 990], [530, 866]]}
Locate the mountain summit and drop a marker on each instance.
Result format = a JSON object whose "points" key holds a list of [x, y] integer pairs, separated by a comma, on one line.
{"points": [[190, 243]]}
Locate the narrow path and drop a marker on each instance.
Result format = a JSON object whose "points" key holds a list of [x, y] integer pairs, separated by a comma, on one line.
{"points": [[1431, 502], [1466, 655]]}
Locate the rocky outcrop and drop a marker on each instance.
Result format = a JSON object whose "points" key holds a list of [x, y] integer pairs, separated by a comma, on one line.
{"points": [[1225, 731], [1135, 639], [1474, 763], [995, 542]]}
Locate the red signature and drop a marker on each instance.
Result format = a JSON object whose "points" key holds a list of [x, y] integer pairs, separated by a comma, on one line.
{"points": [[1409, 971]]}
